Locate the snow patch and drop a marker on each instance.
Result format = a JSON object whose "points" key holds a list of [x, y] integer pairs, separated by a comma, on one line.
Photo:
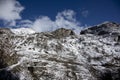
{"points": [[23, 31]]}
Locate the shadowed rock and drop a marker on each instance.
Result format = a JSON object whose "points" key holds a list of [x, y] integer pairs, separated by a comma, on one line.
{"points": [[5, 31], [8, 75], [6, 59], [104, 29], [62, 32]]}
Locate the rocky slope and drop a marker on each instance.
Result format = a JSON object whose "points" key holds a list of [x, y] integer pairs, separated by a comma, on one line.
{"points": [[61, 54]]}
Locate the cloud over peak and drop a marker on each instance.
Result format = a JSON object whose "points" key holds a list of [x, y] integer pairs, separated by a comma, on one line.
{"points": [[65, 19]]}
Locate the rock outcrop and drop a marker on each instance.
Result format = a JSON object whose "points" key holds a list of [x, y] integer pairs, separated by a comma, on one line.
{"points": [[62, 32], [8, 56], [108, 28]]}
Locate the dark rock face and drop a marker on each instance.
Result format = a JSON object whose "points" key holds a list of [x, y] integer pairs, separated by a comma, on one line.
{"points": [[110, 74], [103, 29], [8, 75], [118, 38]]}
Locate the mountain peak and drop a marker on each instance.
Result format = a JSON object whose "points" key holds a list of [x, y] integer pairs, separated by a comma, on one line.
{"points": [[62, 32], [102, 29]]}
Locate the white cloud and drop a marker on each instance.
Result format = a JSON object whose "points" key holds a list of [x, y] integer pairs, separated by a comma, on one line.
{"points": [[10, 11], [43, 24], [85, 13], [65, 19]]}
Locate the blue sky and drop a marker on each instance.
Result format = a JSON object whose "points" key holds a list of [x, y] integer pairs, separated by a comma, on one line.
{"points": [[86, 12], [97, 11]]}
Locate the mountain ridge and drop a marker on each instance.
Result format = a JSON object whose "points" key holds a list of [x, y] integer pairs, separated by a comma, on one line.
{"points": [[64, 55]]}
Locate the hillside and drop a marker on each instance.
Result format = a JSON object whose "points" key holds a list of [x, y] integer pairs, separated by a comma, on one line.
{"points": [[94, 54]]}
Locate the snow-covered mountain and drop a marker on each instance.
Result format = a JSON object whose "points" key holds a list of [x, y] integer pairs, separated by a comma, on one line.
{"points": [[22, 31], [94, 54]]}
